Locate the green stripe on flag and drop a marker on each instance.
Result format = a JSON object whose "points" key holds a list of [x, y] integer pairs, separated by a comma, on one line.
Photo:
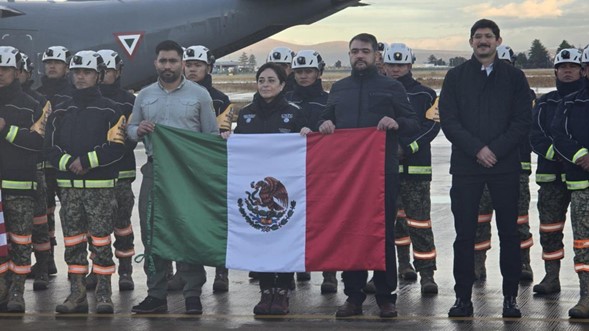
{"points": [[190, 196]]}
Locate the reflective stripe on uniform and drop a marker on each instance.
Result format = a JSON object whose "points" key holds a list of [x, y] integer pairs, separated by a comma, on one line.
{"points": [[100, 270], [405, 241], [527, 243], [11, 135], [401, 168], [124, 232], [123, 254], [401, 213], [526, 165], [75, 240], [414, 147], [93, 159], [424, 255], [545, 178], [556, 255], [580, 153], [127, 174], [88, 183], [523, 219], [553, 227], [18, 185], [20, 240], [419, 170], [581, 267], [39, 220], [550, 153], [100, 241], [484, 218], [581, 244], [77, 269], [482, 246], [19, 269], [419, 224], [65, 158], [40, 166], [4, 267], [577, 185], [42, 247]]}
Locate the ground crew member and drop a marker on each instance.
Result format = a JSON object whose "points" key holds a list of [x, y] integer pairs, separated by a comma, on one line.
{"points": [[483, 235], [20, 146], [110, 87], [159, 103], [199, 65], [413, 225], [283, 56], [553, 195], [41, 241], [309, 95], [55, 87], [569, 130], [85, 139]]}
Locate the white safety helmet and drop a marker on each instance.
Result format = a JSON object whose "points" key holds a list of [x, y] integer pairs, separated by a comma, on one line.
{"points": [[27, 64], [58, 53], [111, 59], [585, 58], [398, 53], [505, 52], [568, 55], [87, 60], [382, 47], [280, 55], [198, 53], [10, 57], [308, 59]]}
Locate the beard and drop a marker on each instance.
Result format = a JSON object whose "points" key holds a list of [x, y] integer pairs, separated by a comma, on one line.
{"points": [[168, 76]]}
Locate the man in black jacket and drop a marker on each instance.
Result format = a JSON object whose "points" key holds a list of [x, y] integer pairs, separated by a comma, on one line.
{"points": [[368, 99], [485, 112]]}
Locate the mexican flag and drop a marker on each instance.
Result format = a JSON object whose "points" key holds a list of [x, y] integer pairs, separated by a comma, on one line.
{"points": [[3, 241], [270, 202]]}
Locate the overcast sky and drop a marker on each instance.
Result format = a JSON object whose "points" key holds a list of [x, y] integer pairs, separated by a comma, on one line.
{"points": [[445, 24]]}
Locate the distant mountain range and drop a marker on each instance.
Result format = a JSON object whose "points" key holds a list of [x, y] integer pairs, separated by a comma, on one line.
{"points": [[332, 52]]}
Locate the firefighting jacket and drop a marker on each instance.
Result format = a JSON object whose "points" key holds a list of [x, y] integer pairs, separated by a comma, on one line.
{"points": [[124, 101], [278, 116], [91, 128], [312, 100], [21, 141], [550, 166], [478, 110], [417, 161], [571, 137], [220, 100], [56, 90], [363, 99]]}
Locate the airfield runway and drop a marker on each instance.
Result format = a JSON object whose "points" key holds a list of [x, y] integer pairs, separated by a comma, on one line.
{"points": [[313, 311]]}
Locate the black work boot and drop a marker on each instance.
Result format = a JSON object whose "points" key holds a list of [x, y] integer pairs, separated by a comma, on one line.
{"points": [[348, 309], [461, 308], [527, 273], [480, 270], [510, 307], [428, 285], [103, 295], [581, 309], [406, 270], [41, 273], [280, 302], [263, 307], [16, 301], [221, 283], [76, 302], [551, 282], [329, 284], [151, 305], [125, 274]]}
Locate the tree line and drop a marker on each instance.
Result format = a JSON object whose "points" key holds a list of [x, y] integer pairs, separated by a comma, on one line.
{"points": [[536, 57]]}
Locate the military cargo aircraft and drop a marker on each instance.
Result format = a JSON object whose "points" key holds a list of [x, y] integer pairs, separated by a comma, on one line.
{"points": [[134, 27]]}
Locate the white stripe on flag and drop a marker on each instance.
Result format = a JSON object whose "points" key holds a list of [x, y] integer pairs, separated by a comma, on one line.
{"points": [[3, 240], [251, 159]]}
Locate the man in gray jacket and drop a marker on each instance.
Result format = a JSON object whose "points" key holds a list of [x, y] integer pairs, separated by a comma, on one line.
{"points": [[177, 102]]}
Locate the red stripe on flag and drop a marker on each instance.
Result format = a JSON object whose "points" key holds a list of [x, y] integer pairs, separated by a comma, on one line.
{"points": [[345, 201]]}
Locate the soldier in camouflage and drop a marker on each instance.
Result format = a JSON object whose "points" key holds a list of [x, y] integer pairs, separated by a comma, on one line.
{"points": [[20, 147], [414, 225], [483, 234], [553, 196], [85, 150], [569, 132]]}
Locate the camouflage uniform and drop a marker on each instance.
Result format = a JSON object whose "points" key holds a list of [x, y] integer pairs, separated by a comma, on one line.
{"points": [[41, 242]]}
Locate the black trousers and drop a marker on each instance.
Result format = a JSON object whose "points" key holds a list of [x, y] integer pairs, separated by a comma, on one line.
{"points": [[385, 282], [466, 194]]}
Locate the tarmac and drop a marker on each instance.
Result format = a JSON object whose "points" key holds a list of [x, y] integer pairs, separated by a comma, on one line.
{"points": [[311, 310]]}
